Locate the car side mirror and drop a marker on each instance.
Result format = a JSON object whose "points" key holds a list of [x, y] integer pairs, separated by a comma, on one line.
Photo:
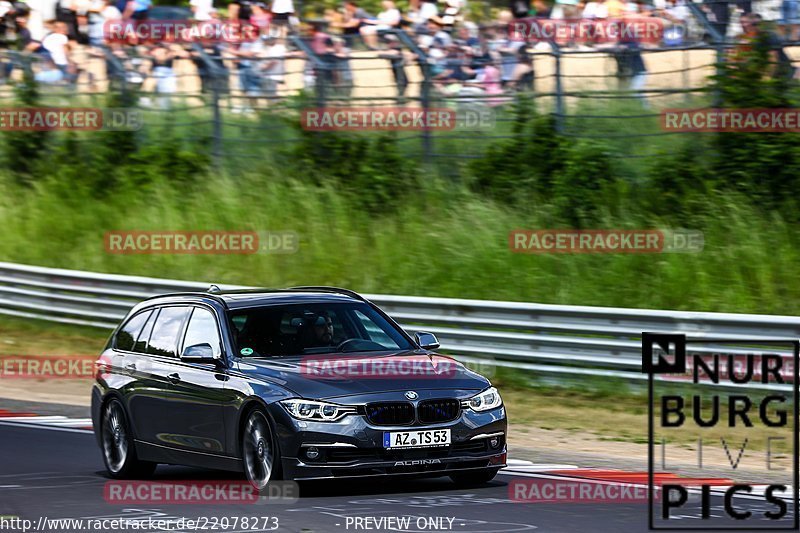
{"points": [[426, 341], [199, 353]]}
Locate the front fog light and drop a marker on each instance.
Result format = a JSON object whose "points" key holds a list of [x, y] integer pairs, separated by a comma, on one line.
{"points": [[312, 453]]}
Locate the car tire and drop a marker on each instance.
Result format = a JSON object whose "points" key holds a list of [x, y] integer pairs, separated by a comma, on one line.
{"points": [[476, 477], [119, 452], [260, 453]]}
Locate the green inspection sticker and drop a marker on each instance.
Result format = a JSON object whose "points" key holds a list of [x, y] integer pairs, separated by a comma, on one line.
{"points": [[246, 351]]}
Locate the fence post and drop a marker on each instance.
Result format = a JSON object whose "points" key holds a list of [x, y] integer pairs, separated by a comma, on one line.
{"points": [[720, 46], [425, 89], [216, 146], [217, 80], [559, 110]]}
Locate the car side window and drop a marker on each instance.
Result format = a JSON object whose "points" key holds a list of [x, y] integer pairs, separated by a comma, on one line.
{"points": [[144, 336], [164, 339], [126, 337], [374, 332], [202, 329]]}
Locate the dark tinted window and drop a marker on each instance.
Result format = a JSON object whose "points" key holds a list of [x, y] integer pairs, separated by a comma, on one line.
{"points": [[202, 329], [130, 332], [144, 336], [164, 339], [314, 328]]}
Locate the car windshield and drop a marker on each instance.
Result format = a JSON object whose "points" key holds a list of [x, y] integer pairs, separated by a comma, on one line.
{"points": [[316, 328]]}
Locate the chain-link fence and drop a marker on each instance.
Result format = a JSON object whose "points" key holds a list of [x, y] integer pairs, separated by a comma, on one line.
{"points": [[243, 106]]}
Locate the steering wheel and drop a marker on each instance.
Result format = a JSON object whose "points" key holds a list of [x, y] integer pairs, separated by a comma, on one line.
{"points": [[358, 345]]}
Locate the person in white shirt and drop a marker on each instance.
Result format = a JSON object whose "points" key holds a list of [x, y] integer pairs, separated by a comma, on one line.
{"points": [[101, 12], [387, 19], [58, 47], [595, 10], [283, 17], [201, 9], [274, 67]]}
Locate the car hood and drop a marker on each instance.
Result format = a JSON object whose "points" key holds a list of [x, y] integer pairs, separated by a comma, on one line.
{"points": [[332, 375]]}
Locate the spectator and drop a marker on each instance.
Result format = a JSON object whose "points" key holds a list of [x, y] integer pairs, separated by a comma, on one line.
{"points": [[769, 43], [342, 74], [631, 70], [615, 8], [387, 19], [101, 12], [240, 10], [541, 9], [397, 60], [260, 18], [719, 16], [248, 56], [419, 13], [137, 9], [283, 15], [566, 9], [520, 8], [58, 48], [676, 16], [595, 9], [451, 15], [274, 67], [435, 35], [467, 35], [455, 72], [22, 41], [202, 9], [162, 57], [353, 19]]}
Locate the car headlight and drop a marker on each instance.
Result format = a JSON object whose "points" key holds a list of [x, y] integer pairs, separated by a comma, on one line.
{"points": [[488, 399], [316, 411]]}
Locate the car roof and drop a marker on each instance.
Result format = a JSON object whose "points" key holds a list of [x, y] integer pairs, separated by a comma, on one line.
{"points": [[240, 299]]}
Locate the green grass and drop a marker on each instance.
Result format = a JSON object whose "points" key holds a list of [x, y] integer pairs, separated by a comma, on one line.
{"points": [[444, 241]]}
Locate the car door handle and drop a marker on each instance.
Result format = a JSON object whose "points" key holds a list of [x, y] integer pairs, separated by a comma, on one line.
{"points": [[174, 378], [130, 366]]}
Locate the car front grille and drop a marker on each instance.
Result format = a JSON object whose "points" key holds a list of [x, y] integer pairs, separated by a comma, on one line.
{"points": [[402, 413], [434, 411], [390, 413]]}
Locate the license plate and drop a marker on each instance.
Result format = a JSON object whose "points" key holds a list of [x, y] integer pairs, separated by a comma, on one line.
{"points": [[424, 438]]}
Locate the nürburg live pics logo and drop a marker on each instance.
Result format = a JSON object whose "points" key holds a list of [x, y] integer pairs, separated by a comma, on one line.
{"points": [[722, 432]]}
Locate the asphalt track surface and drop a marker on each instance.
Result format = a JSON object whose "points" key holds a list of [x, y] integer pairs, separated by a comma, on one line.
{"points": [[58, 473]]}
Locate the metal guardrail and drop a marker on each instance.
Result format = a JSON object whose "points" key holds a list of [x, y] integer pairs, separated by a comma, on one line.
{"points": [[553, 339]]}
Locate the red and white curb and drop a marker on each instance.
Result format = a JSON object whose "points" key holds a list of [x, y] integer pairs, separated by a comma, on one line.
{"points": [[57, 422]]}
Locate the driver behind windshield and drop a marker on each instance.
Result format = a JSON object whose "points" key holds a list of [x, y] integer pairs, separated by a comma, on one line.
{"points": [[322, 331]]}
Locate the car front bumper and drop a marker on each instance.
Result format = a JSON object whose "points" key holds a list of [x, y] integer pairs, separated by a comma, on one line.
{"points": [[353, 447]]}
